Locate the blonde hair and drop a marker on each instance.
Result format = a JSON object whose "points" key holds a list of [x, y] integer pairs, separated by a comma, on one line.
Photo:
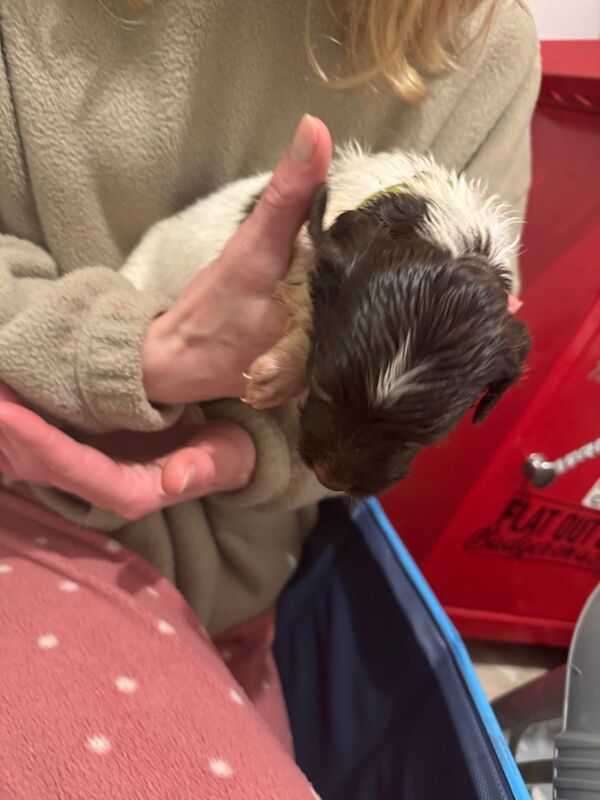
{"points": [[401, 42], [398, 42]]}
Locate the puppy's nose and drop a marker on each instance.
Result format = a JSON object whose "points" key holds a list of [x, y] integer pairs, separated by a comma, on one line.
{"points": [[330, 482]]}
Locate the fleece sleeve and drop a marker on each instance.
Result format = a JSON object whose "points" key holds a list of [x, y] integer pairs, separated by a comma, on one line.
{"points": [[488, 133], [281, 481], [71, 345]]}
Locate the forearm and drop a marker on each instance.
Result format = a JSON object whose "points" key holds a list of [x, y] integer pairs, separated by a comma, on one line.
{"points": [[71, 346]]}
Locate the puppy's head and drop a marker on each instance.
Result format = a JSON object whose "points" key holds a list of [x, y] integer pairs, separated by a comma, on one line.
{"points": [[406, 339]]}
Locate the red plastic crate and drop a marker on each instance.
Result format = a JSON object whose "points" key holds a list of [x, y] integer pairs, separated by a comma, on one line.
{"points": [[508, 560]]}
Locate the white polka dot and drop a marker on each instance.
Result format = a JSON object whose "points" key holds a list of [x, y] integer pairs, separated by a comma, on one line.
{"points": [[112, 546], [5, 568], [220, 768], [236, 697], [291, 560], [126, 685], [265, 685], [68, 586], [165, 627], [99, 744], [47, 641], [226, 655], [314, 794], [41, 540], [151, 590]]}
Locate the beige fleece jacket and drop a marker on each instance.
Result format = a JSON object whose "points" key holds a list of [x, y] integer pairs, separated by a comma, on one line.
{"points": [[107, 126]]}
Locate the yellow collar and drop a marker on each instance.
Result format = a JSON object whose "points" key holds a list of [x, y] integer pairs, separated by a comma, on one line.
{"points": [[395, 188]]}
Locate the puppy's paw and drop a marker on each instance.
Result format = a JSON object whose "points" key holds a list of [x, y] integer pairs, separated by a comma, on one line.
{"points": [[270, 383]]}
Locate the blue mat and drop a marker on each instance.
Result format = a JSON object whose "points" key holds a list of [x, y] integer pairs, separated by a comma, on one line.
{"points": [[383, 700]]}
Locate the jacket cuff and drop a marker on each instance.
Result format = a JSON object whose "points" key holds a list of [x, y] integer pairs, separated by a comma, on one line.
{"points": [[109, 363]]}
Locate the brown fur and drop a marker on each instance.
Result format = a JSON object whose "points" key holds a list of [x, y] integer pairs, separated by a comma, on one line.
{"points": [[362, 293]]}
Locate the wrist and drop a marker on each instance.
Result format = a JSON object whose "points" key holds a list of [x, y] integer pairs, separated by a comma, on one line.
{"points": [[184, 362], [188, 356], [161, 351]]}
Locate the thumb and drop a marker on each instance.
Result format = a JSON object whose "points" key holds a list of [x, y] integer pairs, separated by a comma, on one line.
{"points": [[220, 458], [283, 205]]}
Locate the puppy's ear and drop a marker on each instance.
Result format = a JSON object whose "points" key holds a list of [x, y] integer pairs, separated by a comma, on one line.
{"points": [[326, 279], [317, 212], [513, 349]]}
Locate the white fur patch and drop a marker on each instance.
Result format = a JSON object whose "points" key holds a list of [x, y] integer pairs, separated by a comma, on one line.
{"points": [[397, 379], [174, 250], [460, 213], [392, 384]]}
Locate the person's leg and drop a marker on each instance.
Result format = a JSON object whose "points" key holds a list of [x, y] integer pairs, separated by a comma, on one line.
{"points": [[247, 651], [109, 687]]}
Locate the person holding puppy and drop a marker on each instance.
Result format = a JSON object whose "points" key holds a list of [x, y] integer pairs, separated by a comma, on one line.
{"points": [[115, 116]]}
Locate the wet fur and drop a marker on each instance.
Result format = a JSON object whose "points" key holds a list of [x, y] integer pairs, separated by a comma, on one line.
{"points": [[398, 309]]}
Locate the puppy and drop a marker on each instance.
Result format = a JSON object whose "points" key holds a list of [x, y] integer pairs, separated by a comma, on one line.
{"points": [[398, 294]]}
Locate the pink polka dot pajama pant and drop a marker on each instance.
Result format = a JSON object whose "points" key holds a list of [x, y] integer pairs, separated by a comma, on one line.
{"points": [[111, 688]]}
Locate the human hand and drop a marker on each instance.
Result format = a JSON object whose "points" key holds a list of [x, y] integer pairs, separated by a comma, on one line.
{"points": [[131, 474], [227, 316]]}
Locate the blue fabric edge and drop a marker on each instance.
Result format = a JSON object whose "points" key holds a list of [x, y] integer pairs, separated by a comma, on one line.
{"points": [[456, 645]]}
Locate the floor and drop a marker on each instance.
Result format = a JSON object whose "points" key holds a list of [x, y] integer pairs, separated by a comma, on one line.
{"points": [[502, 667]]}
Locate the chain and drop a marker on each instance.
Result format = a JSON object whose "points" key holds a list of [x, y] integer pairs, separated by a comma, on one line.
{"points": [[576, 457]]}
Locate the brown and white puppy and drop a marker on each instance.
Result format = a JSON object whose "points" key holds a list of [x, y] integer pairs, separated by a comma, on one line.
{"points": [[398, 293]]}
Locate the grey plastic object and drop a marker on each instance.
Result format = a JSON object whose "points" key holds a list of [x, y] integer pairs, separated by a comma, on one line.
{"points": [[539, 700], [536, 706], [577, 749]]}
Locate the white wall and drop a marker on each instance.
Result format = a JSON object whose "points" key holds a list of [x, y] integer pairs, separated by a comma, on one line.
{"points": [[567, 19]]}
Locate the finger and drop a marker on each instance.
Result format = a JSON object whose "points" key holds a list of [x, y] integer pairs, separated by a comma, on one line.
{"points": [[40, 453], [220, 459], [283, 206], [190, 472], [221, 456]]}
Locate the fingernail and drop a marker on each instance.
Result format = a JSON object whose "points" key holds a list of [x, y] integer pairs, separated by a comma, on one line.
{"points": [[305, 139], [188, 479]]}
